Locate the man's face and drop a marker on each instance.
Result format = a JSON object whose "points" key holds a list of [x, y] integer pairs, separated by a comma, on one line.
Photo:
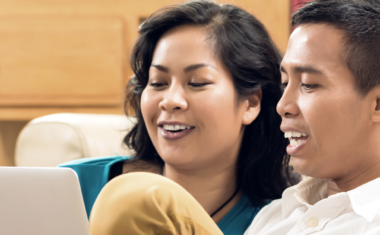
{"points": [[323, 115]]}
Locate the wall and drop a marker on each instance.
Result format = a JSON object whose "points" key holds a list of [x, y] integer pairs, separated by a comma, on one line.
{"points": [[72, 55]]}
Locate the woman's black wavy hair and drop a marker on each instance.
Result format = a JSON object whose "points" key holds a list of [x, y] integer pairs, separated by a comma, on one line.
{"points": [[243, 45]]}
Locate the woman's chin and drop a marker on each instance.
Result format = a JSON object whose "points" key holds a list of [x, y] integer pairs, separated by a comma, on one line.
{"points": [[181, 163]]}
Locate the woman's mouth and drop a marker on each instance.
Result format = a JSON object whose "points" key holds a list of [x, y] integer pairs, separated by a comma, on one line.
{"points": [[297, 141], [174, 131]]}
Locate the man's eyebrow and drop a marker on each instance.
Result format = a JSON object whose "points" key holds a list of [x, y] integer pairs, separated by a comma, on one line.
{"points": [[161, 68], [196, 66], [307, 69], [303, 69]]}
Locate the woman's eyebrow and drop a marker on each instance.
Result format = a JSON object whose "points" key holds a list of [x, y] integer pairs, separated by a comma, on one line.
{"points": [[197, 66], [160, 67], [187, 69]]}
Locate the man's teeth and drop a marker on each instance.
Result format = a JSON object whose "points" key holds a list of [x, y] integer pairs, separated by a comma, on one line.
{"points": [[294, 134], [290, 134], [294, 142], [176, 127]]}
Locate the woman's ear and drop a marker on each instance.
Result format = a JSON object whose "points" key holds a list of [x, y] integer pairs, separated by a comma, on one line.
{"points": [[253, 108]]}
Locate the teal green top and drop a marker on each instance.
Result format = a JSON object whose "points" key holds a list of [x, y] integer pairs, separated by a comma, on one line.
{"points": [[93, 175]]}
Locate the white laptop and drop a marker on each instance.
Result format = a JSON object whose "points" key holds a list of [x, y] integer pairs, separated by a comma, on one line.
{"points": [[41, 201]]}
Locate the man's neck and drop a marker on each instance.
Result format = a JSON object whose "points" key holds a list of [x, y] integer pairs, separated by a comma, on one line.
{"points": [[353, 180]]}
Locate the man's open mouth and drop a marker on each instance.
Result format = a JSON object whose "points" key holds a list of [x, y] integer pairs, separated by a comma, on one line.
{"points": [[296, 138]]}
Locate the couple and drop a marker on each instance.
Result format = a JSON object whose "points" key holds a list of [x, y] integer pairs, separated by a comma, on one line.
{"points": [[205, 92]]}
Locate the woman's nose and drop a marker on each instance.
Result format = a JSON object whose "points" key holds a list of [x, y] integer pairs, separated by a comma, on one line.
{"points": [[287, 106], [174, 99]]}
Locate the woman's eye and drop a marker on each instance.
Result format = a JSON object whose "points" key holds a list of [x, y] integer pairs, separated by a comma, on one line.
{"points": [[194, 84], [283, 86], [309, 86], [157, 84]]}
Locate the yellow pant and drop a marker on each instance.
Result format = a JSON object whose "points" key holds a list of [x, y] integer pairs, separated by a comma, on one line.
{"points": [[148, 204]]}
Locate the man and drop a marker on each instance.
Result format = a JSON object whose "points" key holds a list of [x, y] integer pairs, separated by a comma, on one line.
{"points": [[331, 114]]}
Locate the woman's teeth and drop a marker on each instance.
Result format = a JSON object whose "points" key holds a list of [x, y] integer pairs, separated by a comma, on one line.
{"points": [[176, 127], [296, 138]]}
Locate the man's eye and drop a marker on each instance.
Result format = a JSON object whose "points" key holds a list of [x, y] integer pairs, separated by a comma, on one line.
{"points": [[309, 86], [193, 84]]}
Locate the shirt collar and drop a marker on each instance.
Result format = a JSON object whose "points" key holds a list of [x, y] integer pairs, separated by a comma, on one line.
{"points": [[365, 199], [307, 192], [310, 191]]}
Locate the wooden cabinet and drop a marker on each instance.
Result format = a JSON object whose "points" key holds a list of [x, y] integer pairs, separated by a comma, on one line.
{"points": [[72, 55], [61, 61]]}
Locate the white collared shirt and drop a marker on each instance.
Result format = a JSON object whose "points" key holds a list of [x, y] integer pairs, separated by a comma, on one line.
{"points": [[306, 209]]}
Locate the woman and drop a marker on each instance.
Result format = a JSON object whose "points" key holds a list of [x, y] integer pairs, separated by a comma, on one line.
{"points": [[204, 92]]}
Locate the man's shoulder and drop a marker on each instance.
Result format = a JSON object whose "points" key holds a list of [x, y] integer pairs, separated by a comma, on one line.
{"points": [[274, 212], [272, 209], [271, 213]]}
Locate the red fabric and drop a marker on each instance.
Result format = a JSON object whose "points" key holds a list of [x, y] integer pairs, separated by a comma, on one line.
{"points": [[295, 6]]}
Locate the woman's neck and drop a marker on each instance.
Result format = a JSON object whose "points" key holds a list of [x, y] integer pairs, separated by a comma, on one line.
{"points": [[210, 189]]}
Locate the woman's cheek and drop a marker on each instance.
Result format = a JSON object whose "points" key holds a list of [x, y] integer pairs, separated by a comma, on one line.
{"points": [[149, 107]]}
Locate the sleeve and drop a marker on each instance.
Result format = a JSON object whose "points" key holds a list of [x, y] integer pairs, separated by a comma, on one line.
{"points": [[92, 175]]}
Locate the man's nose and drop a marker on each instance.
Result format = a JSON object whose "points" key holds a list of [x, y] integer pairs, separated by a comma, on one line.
{"points": [[287, 106]]}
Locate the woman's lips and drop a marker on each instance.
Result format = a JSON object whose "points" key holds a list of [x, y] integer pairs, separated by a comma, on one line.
{"points": [[174, 135]]}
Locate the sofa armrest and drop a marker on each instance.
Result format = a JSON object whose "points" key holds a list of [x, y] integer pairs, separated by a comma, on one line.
{"points": [[54, 139]]}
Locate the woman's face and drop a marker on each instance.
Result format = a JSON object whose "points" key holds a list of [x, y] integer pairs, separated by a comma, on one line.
{"points": [[190, 106]]}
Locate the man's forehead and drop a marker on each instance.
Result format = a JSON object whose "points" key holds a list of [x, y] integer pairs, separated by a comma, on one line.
{"points": [[314, 45]]}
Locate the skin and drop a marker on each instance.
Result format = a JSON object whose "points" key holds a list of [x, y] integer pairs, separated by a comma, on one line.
{"points": [[189, 84], [322, 100]]}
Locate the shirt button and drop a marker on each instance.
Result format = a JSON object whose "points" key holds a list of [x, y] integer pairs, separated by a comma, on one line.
{"points": [[313, 222]]}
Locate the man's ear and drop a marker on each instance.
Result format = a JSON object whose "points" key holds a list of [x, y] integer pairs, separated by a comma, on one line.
{"points": [[375, 104], [253, 107]]}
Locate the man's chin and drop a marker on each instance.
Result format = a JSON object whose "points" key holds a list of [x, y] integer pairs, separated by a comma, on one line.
{"points": [[304, 167]]}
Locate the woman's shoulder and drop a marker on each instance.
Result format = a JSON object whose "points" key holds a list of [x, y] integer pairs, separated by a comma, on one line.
{"points": [[239, 217], [93, 174], [95, 161], [94, 170]]}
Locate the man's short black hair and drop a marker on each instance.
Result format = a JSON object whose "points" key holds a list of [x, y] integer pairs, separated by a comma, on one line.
{"points": [[360, 22]]}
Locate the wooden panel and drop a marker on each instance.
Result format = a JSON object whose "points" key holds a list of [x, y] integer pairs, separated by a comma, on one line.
{"points": [[61, 60], [29, 113], [275, 15], [68, 56], [8, 136]]}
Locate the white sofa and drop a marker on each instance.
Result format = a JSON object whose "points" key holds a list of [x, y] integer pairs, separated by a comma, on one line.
{"points": [[54, 139]]}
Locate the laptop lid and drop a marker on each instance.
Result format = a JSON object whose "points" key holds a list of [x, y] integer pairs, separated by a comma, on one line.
{"points": [[41, 201]]}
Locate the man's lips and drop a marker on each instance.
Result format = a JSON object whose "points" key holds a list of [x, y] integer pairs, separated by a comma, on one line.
{"points": [[296, 138], [296, 145]]}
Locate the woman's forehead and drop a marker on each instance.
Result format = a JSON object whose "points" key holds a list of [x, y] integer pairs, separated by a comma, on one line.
{"points": [[184, 46]]}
